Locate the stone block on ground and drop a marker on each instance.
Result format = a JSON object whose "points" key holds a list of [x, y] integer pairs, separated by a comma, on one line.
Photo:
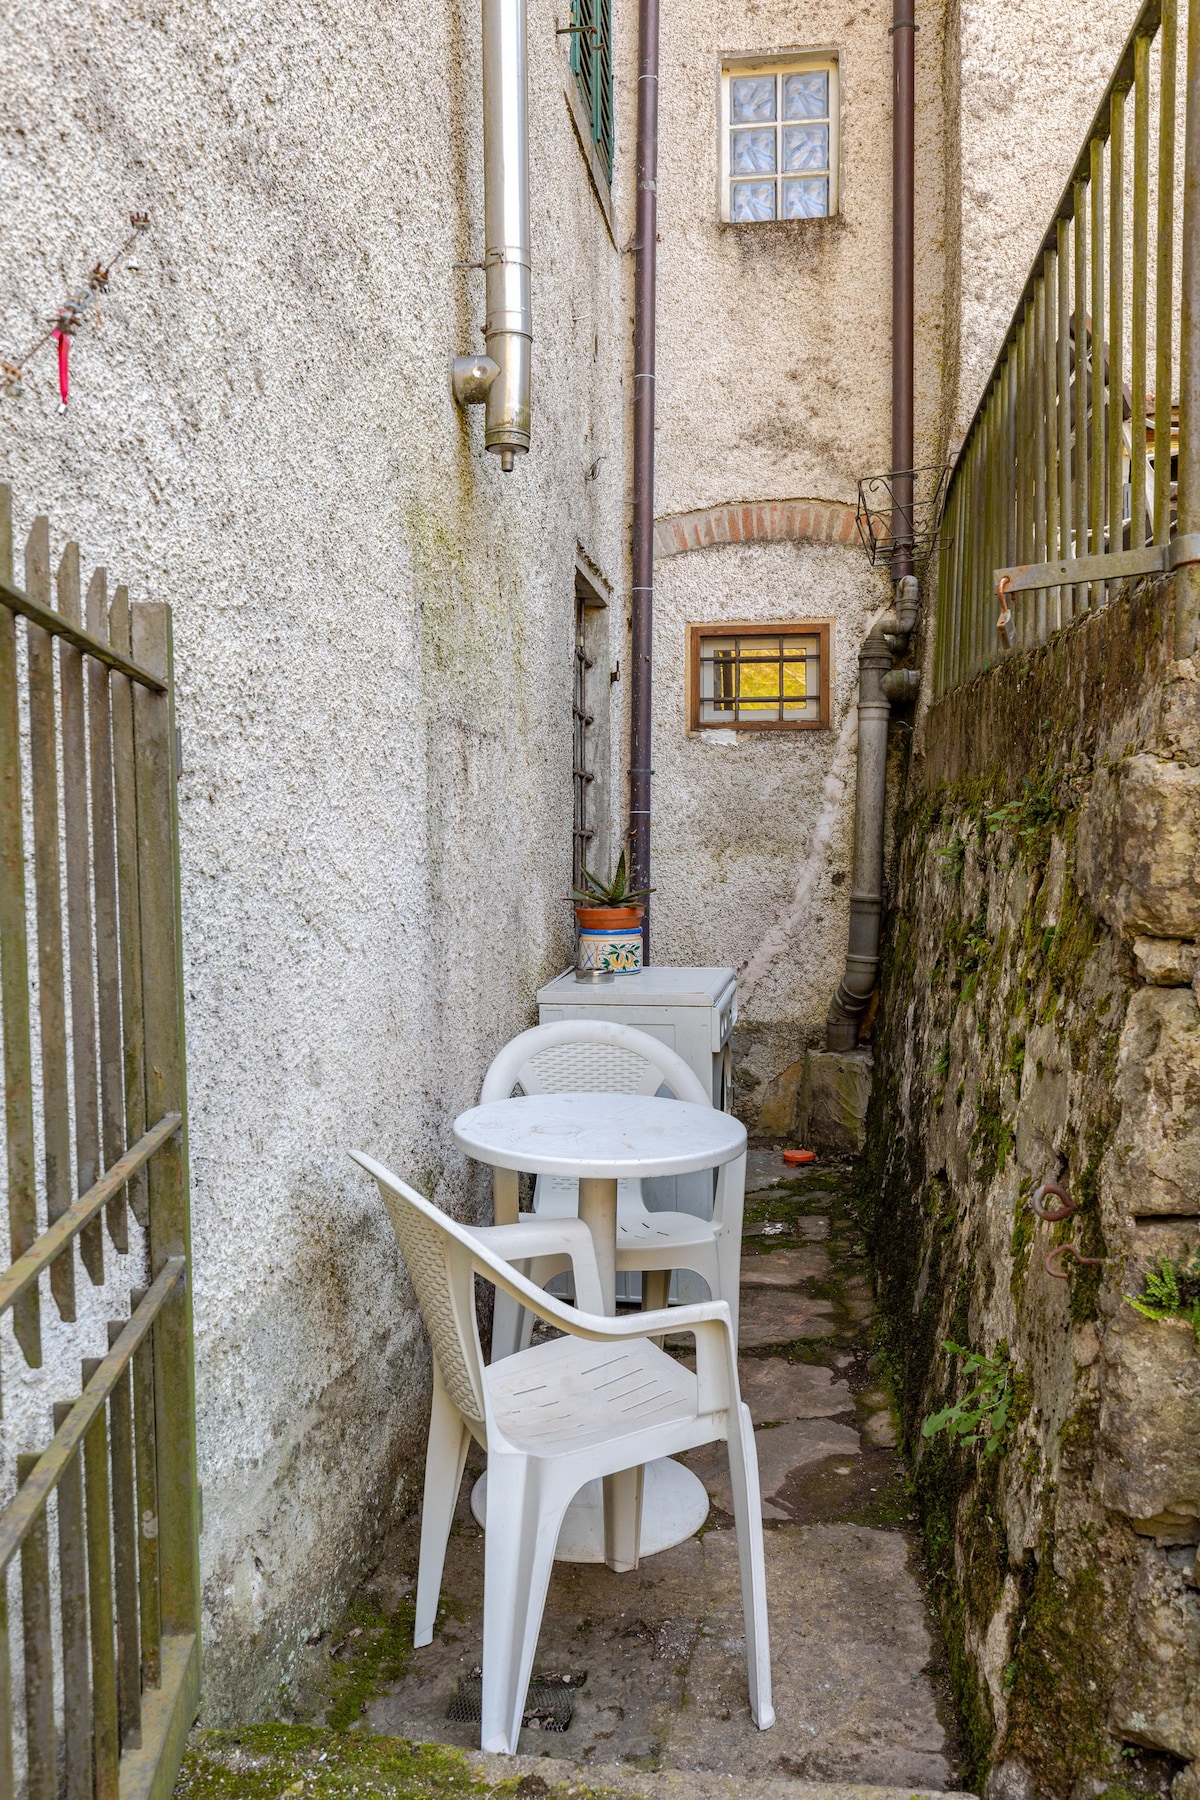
{"points": [[777, 1113], [832, 1105]]}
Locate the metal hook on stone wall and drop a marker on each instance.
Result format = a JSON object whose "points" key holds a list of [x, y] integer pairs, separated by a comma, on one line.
{"points": [[1036, 1200], [1066, 1250]]}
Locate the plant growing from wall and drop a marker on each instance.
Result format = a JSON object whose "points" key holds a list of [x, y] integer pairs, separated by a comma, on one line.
{"points": [[1172, 1291], [1036, 813], [980, 1417]]}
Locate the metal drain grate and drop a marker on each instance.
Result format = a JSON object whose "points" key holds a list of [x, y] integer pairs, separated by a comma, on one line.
{"points": [[549, 1701]]}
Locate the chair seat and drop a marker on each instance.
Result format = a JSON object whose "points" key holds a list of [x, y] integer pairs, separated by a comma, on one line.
{"points": [[558, 1198], [567, 1395]]}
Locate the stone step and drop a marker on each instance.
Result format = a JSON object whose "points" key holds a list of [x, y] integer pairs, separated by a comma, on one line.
{"points": [[554, 1778]]}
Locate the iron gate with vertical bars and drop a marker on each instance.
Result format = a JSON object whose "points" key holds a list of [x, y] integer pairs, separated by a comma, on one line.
{"points": [[110, 1684]]}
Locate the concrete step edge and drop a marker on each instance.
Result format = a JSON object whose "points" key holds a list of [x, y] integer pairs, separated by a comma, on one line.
{"points": [[580, 1781]]}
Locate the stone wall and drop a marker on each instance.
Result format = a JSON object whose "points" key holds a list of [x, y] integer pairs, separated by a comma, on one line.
{"points": [[1039, 1022]]}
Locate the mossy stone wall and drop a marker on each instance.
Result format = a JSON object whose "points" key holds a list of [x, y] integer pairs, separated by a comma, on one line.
{"points": [[1022, 1038]]}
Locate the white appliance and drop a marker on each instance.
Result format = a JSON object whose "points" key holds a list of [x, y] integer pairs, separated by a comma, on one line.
{"points": [[693, 1011]]}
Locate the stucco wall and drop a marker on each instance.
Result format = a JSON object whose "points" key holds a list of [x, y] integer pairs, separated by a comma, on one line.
{"points": [[1030, 77], [775, 383], [373, 635]]}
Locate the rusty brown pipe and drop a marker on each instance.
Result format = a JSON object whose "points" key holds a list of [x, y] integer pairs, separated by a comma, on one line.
{"points": [[904, 32], [644, 307]]}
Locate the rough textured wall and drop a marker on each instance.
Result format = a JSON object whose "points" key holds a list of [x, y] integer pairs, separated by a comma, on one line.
{"points": [[1038, 1023], [754, 867], [374, 638], [775, 383], [1029, 77]]}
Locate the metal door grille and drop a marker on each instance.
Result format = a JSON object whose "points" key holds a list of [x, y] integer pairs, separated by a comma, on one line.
{"points": [[582, 775], [99, 1680]]}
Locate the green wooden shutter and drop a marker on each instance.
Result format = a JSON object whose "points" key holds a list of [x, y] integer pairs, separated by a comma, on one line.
{"points": [[591, 60]]}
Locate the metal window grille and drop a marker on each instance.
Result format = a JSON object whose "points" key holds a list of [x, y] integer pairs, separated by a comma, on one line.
{"points": [[591, 63], [760, 677], [582, 722]]}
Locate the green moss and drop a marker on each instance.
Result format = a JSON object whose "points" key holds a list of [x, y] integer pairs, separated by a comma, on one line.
{"points": [[1062, 1679], [371, 1652], [992, 1138], [276, 1762], [264, 1762]]}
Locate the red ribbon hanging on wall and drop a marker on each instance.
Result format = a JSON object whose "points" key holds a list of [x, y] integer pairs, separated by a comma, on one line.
{"points": [[64, 367]]}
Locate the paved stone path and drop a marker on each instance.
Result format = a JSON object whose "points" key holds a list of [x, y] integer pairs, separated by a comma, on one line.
{"points": [[856, 1678]]}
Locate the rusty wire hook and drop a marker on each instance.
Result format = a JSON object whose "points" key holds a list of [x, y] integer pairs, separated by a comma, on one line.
{"points": [[1063, 1250], [1051, 1187], [1004, 622]]}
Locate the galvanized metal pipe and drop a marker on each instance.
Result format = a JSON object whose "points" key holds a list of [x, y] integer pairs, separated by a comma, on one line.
{"points": [[644, 311], [508, 324]]}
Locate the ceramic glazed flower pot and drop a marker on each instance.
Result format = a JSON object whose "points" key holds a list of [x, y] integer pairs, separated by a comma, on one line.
{"points": [[610, 940]]}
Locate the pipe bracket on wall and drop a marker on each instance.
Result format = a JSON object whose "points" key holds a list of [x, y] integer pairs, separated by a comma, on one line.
{"points": [[471, 377]]}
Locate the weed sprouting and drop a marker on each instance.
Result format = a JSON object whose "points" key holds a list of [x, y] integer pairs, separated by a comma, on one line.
{"points": [[981, 1415], [1172, 1291]]}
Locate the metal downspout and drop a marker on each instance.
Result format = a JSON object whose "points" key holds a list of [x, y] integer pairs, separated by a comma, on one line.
{"points": [[878, 684], [500, 380], [644, 304]]}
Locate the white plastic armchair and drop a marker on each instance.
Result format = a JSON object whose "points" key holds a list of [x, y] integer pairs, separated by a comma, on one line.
{"points": [[596, 1056], [599, 1402]]}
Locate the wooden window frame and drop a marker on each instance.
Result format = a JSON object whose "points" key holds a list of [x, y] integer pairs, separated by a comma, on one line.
{"points": [[821, 629]]}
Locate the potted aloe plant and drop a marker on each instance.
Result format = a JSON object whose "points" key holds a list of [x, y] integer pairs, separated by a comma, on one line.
{"points": [[609, 919]]}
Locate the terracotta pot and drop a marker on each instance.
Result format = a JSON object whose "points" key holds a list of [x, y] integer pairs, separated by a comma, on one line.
{"points": [[609, 918]]}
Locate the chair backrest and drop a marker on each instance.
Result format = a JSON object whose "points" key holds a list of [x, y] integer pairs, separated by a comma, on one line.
{"points": [[441, 1261], [590, 1056]]}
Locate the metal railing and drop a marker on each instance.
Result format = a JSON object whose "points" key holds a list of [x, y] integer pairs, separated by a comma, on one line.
{"points": [[102, 1525], [1076, 473]]}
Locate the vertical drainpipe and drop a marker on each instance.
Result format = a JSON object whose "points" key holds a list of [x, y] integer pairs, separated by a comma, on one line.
{"points": [[878, 683], [644, 304], [904, 32], [500, 379]]}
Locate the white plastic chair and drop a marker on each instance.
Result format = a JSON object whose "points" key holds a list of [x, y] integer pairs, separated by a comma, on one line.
{"points": [[596, 1056], [599, 1402]]}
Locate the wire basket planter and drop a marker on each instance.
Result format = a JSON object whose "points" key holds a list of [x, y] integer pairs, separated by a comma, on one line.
{"points": [[881, 498]]}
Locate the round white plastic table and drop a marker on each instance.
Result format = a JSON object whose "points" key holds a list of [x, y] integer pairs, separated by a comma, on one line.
{"points": [[599, 1139]]}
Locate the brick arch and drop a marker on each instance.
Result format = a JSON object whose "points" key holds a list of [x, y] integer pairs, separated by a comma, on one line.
{"points": [[756, 522]]}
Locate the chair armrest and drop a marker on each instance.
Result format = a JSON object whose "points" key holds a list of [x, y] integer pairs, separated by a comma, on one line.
{"points": [[549, 1237], [708, 1321]]}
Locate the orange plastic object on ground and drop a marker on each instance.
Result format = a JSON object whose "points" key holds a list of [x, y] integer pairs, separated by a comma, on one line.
{"points": [[799, 1156]]}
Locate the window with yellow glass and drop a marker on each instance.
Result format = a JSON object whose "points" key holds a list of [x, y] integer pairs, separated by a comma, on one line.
{"points": [[759, 677]]}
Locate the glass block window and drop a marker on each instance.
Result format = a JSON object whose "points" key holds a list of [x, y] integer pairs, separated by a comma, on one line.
{"points": [[759, 677], [591, 64], [779, 141]]}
